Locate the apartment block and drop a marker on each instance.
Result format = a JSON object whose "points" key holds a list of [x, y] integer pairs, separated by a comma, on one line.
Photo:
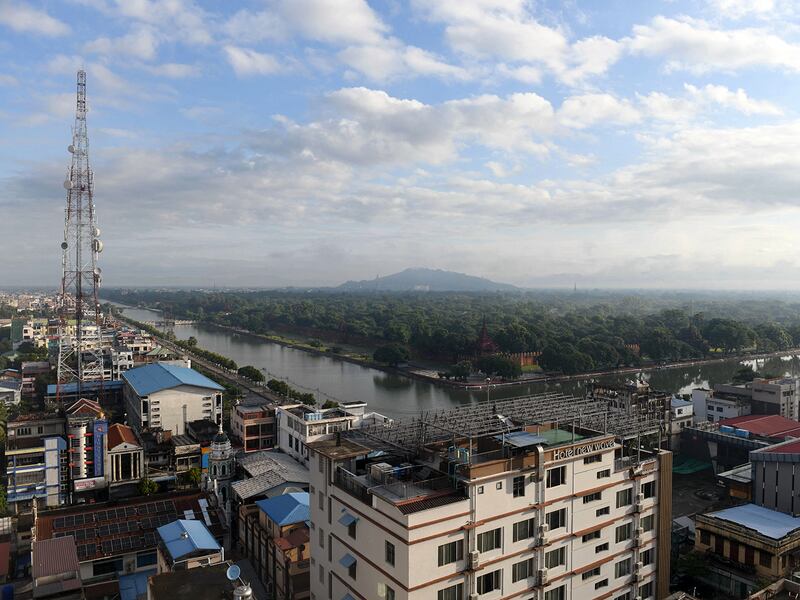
{"points": [[253, 426], [472, 504]]}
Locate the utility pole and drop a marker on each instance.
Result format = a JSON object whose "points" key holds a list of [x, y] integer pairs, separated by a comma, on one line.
{"points": [[80, 353]]}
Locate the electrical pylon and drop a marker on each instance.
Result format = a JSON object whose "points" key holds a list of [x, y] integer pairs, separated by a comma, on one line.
{"points": [[80, 352]]}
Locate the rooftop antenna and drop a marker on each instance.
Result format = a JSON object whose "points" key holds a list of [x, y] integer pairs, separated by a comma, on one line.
{"points": [[80, 356]]}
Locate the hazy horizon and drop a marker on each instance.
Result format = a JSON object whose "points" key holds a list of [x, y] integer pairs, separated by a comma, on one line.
{"points": [[272, 143]]}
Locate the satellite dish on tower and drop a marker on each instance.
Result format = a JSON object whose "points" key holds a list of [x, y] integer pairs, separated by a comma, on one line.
{"points": [[67, 185], [71, 149], [233, 572]]}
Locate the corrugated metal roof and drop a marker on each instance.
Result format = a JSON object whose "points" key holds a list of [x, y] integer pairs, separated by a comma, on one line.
{"points": [[54, 557], [286, 509], [185, 537], [155, 377], [770, 523]]}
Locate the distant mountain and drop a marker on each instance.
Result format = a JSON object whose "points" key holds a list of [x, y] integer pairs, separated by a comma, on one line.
{"points": [[428, 280]]}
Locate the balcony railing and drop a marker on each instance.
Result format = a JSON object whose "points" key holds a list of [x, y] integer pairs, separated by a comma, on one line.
{"points": [[348, 482]]}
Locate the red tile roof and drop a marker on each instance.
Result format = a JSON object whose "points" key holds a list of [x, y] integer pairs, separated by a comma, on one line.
{"points": [[293, 539], [773, 426], [789, 448], [119, 434], [84, 406]]}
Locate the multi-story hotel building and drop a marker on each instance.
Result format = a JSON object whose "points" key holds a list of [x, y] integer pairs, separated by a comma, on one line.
{"points": [[473, 505]]}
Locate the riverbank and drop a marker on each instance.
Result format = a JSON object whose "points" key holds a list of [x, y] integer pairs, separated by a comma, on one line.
{"points": [[365, 361]]}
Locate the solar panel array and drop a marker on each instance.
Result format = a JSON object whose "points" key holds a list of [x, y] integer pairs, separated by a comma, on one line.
{"points": [[116, 530]]}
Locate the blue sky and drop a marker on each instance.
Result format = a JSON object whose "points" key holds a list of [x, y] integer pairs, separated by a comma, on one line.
{"points": [[306, 142]]}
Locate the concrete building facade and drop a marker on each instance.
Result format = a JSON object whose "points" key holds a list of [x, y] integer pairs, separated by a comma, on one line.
{"points": [[524, 511]]}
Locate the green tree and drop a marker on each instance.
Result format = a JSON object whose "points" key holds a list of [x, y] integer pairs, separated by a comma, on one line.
{"points": [[251, 373], [392, 354], [193, 476], [330, 404], [460, 370], [499, 365], [192, 341], [278, 386], [147, 487]]}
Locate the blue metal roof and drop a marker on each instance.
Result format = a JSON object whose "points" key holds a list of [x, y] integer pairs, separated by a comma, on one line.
{"points": [[184, 537], [71, 388], [155, 377], [286, 509], [134, 586], [679, 402], [771, 523]]}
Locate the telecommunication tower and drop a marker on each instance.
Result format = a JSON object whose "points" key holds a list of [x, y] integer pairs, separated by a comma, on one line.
{"points": [[80, 352]]}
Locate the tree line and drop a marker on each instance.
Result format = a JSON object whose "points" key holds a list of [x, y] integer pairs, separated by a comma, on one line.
{"points": [[573, 332]]}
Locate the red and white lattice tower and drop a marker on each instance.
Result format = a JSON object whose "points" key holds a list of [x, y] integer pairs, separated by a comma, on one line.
{"points": [[80, 352]]}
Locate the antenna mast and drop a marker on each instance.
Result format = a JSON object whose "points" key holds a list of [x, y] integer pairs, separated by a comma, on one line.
{"points": [[80, 352]]}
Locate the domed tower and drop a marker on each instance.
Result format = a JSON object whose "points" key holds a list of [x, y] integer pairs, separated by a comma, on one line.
{"points": [[221, 469]]}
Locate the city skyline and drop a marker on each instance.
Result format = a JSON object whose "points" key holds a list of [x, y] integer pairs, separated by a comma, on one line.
{"points": [[287, 143]]}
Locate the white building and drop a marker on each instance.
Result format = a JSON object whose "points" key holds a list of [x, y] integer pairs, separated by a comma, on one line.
{"points": [[488, 508], [713, 406], [166, 397], [299, 425]]}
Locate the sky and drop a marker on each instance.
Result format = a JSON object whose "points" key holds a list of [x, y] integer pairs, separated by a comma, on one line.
{"points": [[309, 142]]}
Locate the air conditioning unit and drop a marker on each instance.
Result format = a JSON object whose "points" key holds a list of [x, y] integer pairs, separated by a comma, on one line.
{"points": [[380, 472], [639, 566], [638, 507], [639, 498], [636, 577], [542, 576], [474, 559], [541, 541], [544, 528], [474, 596]]}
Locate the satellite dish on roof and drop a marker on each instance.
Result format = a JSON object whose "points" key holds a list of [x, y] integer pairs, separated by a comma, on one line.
{"points": [[233, 572]]}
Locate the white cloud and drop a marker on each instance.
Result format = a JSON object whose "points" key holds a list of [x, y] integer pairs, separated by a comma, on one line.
{"points": [[26, 19], [587, 110], [141, 44], [249, 62], [737, 9], [488, 30], [174, 70], [391, 59], [737, 100], [340, 22], [697, 46]]}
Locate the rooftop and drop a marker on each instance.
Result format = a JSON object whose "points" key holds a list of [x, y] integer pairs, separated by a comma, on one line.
{"points": [[268, 470], [187, 537], [769, 523], [772, 426], [84, 406], [109, 529], [286, 509], [88, 386], [155, 377], [119, 434], [790, 447], [741, 474], [54, 557]]}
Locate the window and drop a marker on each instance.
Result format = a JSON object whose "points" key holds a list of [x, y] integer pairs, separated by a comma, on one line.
{"points": [[144, 560], [450, 553], [595, 458], [556, 558], [604, 473], [557, 476], [646, 523], [646, 557], [625, 596], [559, 593], [321, 500], [624, 497], [321, 574], [321, 537], [498, 485], [105, 567], [389, 552], [489, 540], [705, 537], [385, 592], [601, 548], [521, 570], [523, 530], [557, 518], [589, 574], [622, 568], [321, 463], [764, 559], [602, 511], [594, 535], [601, 584], [592, 497], [649, 489], [489, 582], [623, 533], [480, 489], [454, 592], [351, 530], [646, 590], [519, 486]]}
